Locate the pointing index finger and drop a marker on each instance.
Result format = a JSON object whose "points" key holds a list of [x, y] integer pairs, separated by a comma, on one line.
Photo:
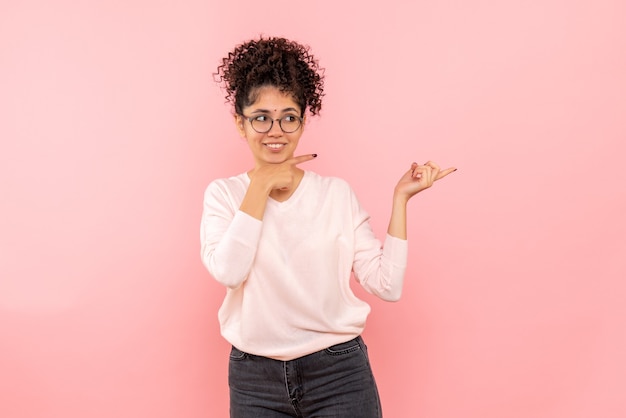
{"points": [[445, 172], [302, 158]]}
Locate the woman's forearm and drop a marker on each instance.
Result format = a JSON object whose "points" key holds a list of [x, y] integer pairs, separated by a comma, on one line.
{"points": [[397, 223], [255, 200]]}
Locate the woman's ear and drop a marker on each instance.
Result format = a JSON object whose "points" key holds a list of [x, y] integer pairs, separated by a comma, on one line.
{"points": [[239, 121], [303, 122]]}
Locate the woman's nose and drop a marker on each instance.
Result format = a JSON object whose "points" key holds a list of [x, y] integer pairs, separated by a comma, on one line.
{"points": [[275, 130]]}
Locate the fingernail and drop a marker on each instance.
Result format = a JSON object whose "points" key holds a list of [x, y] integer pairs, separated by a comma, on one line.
{"points": [[314, 155]]}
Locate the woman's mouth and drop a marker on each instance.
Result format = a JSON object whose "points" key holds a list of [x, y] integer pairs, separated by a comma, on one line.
{"points": [[275, 146]]}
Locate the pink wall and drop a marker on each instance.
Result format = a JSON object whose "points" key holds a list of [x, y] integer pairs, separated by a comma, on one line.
{"points": [[111, 127]]}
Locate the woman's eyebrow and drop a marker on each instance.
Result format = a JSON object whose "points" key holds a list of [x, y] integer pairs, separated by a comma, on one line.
{"points": [[288, 109]]}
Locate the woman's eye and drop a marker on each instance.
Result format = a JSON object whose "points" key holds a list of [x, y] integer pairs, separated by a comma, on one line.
{"points": [[289, 118], [261, 118]]}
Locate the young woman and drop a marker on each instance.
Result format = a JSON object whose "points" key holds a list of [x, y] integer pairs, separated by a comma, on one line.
{"points": [[284, 242]]}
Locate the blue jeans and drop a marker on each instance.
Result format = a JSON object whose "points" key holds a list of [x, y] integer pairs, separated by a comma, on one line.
{"points": [[334, 382]]}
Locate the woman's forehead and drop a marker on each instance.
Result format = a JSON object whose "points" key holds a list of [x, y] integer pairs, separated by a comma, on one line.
{"points": [[272, 99]]}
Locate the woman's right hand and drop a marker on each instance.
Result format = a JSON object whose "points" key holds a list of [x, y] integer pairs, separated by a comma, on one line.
{"points": [[279, 176]]}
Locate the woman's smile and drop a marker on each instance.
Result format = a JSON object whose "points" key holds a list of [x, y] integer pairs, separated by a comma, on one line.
{"points": [[275, 146]]}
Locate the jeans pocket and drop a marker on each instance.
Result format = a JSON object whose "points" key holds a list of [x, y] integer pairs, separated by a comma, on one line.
{"points": [[343, 348], [236, 354]]}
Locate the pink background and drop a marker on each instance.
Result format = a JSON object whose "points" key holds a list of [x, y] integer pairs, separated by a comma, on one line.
{"points": [[111, 127]]}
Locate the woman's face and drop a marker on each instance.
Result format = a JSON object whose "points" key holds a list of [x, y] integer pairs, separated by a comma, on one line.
{"points": [[274, 146]]}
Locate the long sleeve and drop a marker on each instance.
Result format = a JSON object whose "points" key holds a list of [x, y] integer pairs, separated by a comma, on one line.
{"points": [[229, 237], [380, 271]]}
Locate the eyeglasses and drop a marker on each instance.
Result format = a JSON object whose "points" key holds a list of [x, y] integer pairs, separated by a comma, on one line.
{"points": [[263, 123]]}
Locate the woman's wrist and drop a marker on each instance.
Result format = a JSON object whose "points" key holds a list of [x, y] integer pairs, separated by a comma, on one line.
{"points": [[259, 186], [400, 198]]}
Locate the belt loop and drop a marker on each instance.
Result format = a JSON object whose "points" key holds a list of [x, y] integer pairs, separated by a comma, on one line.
{"points": [[360, 341]]}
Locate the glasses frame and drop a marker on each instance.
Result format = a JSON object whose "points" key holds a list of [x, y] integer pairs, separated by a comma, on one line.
{"points": [[280, 123]]}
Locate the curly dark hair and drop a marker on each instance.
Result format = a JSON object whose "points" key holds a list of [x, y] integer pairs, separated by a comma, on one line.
{"points": [[273, 61]]}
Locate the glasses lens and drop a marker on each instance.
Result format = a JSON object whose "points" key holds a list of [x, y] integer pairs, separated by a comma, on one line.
{"points": [[261, 124], [290, 123]]}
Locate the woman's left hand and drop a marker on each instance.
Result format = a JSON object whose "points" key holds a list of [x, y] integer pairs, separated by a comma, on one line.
{"points": [[420, 177]]}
